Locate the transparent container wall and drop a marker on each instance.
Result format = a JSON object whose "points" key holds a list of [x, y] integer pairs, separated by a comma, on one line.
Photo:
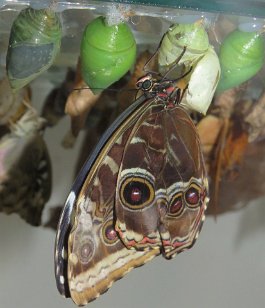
{"points": [[232, 136], [148, 22]]}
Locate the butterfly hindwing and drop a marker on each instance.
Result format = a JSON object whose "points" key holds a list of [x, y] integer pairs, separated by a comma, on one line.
{"points": [[186, 184], [162, 184]]}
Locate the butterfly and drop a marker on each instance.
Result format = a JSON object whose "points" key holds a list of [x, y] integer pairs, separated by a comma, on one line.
{"points": [[142, 192]]}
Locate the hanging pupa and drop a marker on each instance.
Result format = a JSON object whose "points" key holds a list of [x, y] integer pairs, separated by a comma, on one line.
{"points": [[34, 42], [107, 53], [203, 82], [191, 36], [241, 57], [188, 45]]}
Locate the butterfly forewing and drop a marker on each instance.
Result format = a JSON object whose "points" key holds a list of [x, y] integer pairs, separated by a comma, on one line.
{"points": [[89, 254], [97, 257]]}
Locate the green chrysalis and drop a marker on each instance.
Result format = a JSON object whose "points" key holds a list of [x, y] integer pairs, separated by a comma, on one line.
{"points": [[34, 42], [241, 57], [107, 53]]}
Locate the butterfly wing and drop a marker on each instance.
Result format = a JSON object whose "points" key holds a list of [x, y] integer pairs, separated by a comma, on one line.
{"points": [[97, 257], [89, 256], [136, 210], [185, 179], [162, 187]]}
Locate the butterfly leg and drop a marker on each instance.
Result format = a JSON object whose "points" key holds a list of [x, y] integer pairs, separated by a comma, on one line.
{"points": [[181, 95], [178, 92]]}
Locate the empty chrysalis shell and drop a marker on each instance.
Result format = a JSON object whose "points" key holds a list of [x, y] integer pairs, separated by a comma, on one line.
{"points": [[34, 42], [241, 57], [107, 53], [203, 82], [199, 55], [192, 36]]}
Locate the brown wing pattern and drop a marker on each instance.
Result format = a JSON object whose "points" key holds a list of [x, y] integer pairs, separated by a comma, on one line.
{"points": [[187, 195], [96, 255], [162, 187], [145, 192]]}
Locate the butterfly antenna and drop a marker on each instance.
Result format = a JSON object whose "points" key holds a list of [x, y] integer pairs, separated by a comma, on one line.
{"points": [[108, 89], [150, 59], [175, 65]]}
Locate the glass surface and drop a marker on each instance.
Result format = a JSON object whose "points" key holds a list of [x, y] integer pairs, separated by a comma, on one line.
{"points": [[238, 7], [225, 268]]}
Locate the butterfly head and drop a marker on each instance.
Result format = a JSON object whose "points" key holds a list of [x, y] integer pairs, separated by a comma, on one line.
{"points": [[145, 83]]}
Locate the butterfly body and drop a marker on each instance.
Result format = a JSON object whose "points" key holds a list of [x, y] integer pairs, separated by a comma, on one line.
{"points": [[143, 191], [164, 89]]}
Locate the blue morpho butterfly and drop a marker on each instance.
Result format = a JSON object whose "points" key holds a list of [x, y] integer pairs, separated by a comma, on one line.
{"points": [[142, 192]]}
